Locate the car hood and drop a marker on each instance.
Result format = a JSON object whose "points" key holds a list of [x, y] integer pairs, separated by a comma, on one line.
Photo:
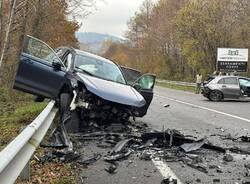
{"points": [[112, 91]]}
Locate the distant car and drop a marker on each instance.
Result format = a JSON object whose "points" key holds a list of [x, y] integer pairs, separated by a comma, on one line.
{"points": [[78, 81], [222, 87]]}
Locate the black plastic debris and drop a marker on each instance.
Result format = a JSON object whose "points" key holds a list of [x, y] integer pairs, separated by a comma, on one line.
{"points": [[247, 165], [198, 180], [219, 171], [199, 167], [175, 138], [122, 145], [240, 150], [214, 148], [228, 158], [216, 180], [118, 156], [245, 138], [112, 168], [146, 155], [62, 155], [91, 160], [169, 181]]}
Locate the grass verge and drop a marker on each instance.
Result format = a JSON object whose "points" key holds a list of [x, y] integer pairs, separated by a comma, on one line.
{"points": [[17, 110], [176, 87]]}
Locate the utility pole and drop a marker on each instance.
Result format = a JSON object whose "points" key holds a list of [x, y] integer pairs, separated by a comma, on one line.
{"points": [[6, 39]]}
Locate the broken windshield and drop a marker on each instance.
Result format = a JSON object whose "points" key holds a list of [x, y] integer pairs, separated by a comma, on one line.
{"points": [[99, 68]]}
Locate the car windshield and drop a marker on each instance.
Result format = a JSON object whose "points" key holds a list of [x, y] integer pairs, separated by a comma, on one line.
{"points": [[99, 68]]}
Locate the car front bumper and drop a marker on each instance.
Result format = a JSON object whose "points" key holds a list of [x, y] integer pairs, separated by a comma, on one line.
{"points": [[205, 91]]}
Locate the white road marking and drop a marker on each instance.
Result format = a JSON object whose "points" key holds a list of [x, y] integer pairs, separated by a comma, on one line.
{"points": [[165, 170], [205, 108]]}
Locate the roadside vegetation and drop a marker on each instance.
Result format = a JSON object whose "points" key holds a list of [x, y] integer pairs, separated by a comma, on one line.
{"points": [[53, 21], [177, 87], [175, 39], [17, 111]]}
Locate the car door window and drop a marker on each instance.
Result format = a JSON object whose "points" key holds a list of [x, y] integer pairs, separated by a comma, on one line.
{"points": [[244, 82], [131, 75], [39, 49], [231, 81], [146, 82], [222, 81]]}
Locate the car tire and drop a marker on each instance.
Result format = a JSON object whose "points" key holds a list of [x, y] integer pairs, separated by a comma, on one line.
{"points": [[215, 96]]}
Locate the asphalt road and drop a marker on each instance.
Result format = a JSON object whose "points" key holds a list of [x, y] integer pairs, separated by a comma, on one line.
{"points": [[189, 111], [193, 115]]}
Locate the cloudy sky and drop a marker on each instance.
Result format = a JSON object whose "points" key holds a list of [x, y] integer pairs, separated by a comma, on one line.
{"points": [[111, 17]]}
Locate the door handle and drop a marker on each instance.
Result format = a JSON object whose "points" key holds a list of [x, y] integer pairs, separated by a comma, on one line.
{"points": [[224, 86]]}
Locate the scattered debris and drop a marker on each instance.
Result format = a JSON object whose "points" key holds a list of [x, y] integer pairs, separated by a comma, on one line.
{"points": [[199, 167], [166, 105], [216, 180], [146, 155], [188, 147], [239, 150], [116, 157], [228, 158], [219, 171], [169, 181], [247, 166], [91, 160], [111, 169], [122, 140], [122, 145], [245, 138], [198, 180]]}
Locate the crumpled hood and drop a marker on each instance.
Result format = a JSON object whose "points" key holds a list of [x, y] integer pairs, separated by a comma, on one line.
{"points": [[112, 91]]}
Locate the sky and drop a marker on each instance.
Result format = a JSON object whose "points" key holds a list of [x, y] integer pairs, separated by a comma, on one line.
{"points": [[111, 17]]}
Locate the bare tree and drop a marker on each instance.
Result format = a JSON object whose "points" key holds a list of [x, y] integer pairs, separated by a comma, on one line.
{"points": [[6, 38]]}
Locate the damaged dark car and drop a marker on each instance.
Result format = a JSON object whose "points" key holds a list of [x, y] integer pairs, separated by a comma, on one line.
{"points": [[85, 86]]}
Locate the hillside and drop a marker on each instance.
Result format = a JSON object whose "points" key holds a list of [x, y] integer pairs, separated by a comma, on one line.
{"points": [[93, 42]]}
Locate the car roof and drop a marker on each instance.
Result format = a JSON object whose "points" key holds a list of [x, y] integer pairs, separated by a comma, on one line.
{"points": [[217, 78], [87, 54]]}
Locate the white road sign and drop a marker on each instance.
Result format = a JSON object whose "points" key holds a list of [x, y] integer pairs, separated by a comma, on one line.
{"points": [[232, 54]]}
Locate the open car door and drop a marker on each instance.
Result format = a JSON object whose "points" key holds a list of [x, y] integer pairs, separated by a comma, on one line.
{"points": [[40, 70], [145, 86]]}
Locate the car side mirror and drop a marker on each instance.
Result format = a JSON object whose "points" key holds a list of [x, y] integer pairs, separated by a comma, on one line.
{"points": [[56, 65]]}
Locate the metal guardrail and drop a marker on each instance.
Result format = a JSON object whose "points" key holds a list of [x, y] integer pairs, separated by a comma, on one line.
{"points": [[177, 83], [17, 154]]}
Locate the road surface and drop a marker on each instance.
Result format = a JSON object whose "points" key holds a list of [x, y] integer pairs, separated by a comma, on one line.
{"points": [[193, 115]]}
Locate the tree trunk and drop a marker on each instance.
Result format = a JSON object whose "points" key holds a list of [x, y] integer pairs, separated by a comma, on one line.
{"points": [[6, 39]]}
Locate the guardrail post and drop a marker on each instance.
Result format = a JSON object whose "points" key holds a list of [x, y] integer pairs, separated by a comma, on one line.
{"points": [[25, 174]]}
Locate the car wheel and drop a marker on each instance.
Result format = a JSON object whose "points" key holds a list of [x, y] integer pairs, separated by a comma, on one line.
{"points": [[215, 96]]}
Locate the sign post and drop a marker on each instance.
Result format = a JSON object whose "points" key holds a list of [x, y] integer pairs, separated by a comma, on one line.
{"points": [[232, 59]]}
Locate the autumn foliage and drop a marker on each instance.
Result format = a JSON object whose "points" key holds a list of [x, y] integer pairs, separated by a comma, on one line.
{"points": [[47, 20], [178, 38]]}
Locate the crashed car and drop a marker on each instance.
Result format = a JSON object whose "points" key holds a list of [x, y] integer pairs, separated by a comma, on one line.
{"points": [[90, 86], [222, 87]]}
